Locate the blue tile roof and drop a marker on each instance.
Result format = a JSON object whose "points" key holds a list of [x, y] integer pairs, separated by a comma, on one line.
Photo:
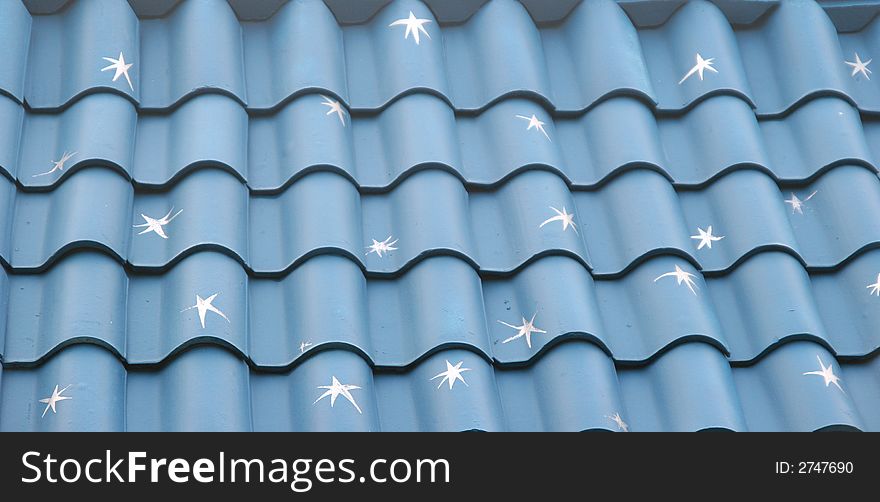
{"points": [[535, 218], [690, 387]]}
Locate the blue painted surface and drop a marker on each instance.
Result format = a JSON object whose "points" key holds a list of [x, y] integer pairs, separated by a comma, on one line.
{"points": [[355, 60], [272, 151], [575, 387], [635, 215], [275, 203]]}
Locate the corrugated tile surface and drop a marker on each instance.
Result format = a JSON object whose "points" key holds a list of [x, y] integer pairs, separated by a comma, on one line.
{"points": [[520, 216], [574, 387], [500, 45]]}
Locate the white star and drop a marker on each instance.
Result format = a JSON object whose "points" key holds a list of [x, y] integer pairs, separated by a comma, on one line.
{"points": [[120, 67], [335, 107], [53, 399], [706, 238], [413, 25], [303, 346], [619, 421], [525, 329], [155, 225], [860, 66], [382, 247], [452, 374], [335, 389], [797, 205], [681, 276], [563, 216], [875, 288], [534, 122], [204, 305], [702, 64], [58, 165], [827, 374]]}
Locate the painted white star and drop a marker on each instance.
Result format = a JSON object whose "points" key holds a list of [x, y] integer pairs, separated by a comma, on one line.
{"points": [[681, 276], [827, 374], [335, 389], [155, 225], [706, 238], [619, 421], [382, 247], [859, 66], [702, 64], [120, 67], [452, 374], [57, 165], [53, 399], [875, 288], [413, 25], [797, 205], [335, 107], [534, 122], [204, 305], [524, 330], [303, 346], [563, 216]]}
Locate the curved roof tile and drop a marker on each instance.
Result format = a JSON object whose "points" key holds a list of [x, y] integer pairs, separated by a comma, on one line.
{"points": [[689, 388], [675, 223]]}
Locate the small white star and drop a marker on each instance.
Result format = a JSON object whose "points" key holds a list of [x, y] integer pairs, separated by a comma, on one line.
{"points": [[875, 288], [681, 276], [702, 64], [706, 238], [303, 346], [452, 374], [534, 122], [524, 330], [563, 216], [382, 247], [204, 305], [155, 225], [619, 421], [797, 205], [335, 107], [120, 67], [57, 165], [827, 374], [859, 66], [53, 399], [413, 25], [335, 389]]}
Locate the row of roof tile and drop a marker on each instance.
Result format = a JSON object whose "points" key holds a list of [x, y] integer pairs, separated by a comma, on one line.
{"points": [[327, 302], [793, 53], [847, 16], [642, 12], [611, 230], [575, 387], [379, 151]]}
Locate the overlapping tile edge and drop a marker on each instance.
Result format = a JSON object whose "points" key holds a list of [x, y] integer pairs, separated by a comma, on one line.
{"points": [[856, 253]]}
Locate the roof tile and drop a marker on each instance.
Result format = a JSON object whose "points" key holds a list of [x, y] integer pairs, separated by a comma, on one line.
{"points": [[337, 225], [576, 387]]}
